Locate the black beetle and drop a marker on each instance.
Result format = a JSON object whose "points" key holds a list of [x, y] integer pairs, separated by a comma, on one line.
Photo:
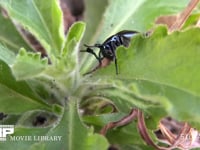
{"points": [[108, 48]]}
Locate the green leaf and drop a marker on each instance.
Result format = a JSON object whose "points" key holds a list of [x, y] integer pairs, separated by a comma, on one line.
{"points": [[37, 118], [71, 128], [163, 59], [50, 89], [96, 141], [181, 104], [28, 65], [53, 21], [136, 15], [118, 91], [74, 36], [92, 17], [66, 68], [191, 21], [7, 55], [10, 37], [103, 119], [164, 72], [17, 97], [126, 136], [75, 33], [43, 19], [37, 146]]}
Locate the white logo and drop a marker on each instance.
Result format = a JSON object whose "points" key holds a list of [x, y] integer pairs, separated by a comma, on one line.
{"points": [[5, 130]]}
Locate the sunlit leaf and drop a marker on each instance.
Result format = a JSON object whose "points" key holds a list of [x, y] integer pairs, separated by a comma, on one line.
{"points": [[163, 70], [136, 15], [10, 37], [34, 16]]}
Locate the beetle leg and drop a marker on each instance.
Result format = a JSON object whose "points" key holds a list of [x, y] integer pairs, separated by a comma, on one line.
{"points": [[116, 66], [100, 58], [115, 59], [93, 70], [89, 50]]}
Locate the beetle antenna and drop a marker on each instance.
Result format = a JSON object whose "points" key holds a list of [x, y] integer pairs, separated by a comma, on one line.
{"points": [[89, 46], [93, 46], [83, 51]]}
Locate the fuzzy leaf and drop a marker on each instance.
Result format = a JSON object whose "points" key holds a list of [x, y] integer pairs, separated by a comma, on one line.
{"points": [[17, 97], [28, 65], [74, 36], [163, 71], [7, 55], [70, 128], [164, 59], [9, 36], [43, 19], [136, 15]]}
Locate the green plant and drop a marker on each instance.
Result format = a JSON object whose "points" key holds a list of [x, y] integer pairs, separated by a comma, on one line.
{"points": [[158, 74]]}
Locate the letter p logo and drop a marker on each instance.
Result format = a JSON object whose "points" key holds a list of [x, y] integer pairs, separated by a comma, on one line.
{"points": [[5, 130]]}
